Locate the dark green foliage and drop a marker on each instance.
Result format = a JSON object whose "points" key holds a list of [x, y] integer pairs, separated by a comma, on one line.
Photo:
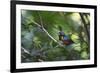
{"points": [[39, 36]]}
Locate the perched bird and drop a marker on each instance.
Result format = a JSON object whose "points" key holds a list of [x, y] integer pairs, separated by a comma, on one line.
{"points": [[64, 38]]}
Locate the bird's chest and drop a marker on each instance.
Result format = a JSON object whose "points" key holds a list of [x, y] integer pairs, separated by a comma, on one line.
{"points": [[66, 42]]}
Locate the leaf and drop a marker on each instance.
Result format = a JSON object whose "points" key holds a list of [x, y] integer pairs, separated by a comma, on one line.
{"points": [[84, 55]]}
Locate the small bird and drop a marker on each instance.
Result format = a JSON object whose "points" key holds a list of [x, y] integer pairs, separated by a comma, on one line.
{"points": [[64, 38]]}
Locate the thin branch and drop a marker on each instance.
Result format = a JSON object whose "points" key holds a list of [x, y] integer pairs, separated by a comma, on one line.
{"points": [[45, 31], [44, 28], [40, 60], [86, 30], [25, 50], [83, 20]]}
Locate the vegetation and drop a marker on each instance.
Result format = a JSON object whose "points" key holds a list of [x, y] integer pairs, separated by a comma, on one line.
{"points": [[40, 36]]}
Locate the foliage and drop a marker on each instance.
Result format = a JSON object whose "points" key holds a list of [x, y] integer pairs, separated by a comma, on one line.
{"points": [[39, 36]]}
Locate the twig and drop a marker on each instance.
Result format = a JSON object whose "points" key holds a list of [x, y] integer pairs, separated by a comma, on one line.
{"points": [[44, 28], [45, 31], [40, 60], [85, 26], [25, 50]]}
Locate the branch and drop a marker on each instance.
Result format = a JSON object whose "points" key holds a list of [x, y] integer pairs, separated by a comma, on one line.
{"points": [[86, 30], [85, 26], [25, 50], [45, 31], [44, 28], [40, 60]]}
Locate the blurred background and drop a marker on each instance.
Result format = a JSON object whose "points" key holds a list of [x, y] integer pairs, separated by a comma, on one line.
{"points": [[41, 39]]}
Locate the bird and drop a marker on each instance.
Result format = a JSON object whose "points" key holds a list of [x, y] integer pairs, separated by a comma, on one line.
{"points": [[65, 39]]}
